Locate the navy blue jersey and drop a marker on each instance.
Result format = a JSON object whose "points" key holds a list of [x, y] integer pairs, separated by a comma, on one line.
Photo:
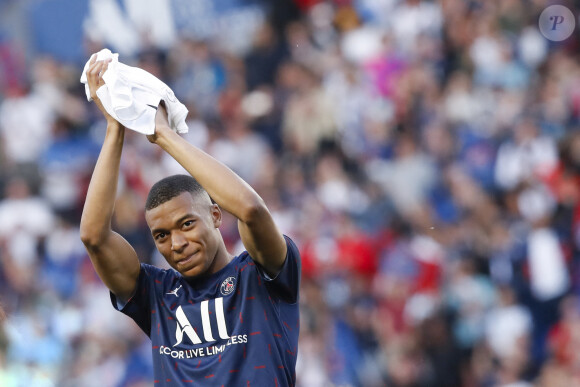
{"points": [[236, 327]]}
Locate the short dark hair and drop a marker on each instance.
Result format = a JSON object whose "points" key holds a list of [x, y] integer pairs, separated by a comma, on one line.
{"points": [[170, 187]]}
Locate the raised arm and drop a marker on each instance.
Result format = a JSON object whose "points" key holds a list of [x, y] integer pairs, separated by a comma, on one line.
{"points": [[114, 259], [258, 232]]}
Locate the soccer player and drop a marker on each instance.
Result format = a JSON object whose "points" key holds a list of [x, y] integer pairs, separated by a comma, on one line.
{"points": [[213, 319]]}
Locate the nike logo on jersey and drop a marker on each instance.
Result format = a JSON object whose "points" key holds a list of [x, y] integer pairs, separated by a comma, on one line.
{"points": [[174, 291]]}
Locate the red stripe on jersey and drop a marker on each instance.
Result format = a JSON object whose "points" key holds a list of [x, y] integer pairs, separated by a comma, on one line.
{"points": [[198, 364], [255, 333], [241, 319], [155, 346], [265, 315], [250, 298], [233, 371], [286, 325], [209, 376], [186, 381], [260, 367], [277, 335]]}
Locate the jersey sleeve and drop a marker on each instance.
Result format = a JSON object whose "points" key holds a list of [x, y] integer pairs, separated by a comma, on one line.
{"points": [[286, 284], [139, 305]]}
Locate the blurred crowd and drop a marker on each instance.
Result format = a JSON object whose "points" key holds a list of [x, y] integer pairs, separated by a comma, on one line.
{"points": [[424, 155]]}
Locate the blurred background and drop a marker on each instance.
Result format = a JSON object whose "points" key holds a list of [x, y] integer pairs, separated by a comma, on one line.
{"points": [[424, 155]]}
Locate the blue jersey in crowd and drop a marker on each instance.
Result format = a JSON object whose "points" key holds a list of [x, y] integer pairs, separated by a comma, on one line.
{"points": [[236, 327]]}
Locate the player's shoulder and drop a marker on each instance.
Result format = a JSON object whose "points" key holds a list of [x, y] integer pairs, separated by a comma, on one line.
{"points": [[292, 247], [158, 274], [292, 254]]}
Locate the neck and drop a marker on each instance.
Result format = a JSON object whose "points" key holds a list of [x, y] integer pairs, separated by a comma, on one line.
{"points": [[221, 259]]}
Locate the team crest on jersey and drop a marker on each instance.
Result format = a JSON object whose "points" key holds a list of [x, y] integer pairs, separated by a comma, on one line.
{"points": [[228, 286]]}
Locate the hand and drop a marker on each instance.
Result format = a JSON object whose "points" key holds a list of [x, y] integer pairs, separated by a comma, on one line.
{"points": [[161, 124], [95, 80]]}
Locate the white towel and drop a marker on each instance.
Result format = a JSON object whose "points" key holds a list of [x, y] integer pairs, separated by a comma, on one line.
{"points": [[131, 96]]}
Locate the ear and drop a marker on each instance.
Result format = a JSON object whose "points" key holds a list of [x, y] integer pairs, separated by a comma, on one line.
{"points": [[216, 215]]}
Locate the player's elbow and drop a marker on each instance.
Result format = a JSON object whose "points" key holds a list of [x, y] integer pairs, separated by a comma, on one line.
{"points": [[90, 241], [254, 211], [91, 236]]}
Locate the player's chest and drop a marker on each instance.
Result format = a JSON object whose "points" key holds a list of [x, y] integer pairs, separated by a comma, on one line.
{"points": [[185, 316]]}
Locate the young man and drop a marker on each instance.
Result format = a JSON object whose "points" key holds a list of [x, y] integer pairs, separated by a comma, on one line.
{"points": [[214, 319]]}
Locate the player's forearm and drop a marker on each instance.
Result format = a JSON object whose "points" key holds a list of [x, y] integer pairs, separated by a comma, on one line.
{"points": [[224, 186], [100, 201]]}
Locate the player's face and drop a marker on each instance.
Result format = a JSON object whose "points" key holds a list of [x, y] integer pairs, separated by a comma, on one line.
{"points": [[185, 231]]}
